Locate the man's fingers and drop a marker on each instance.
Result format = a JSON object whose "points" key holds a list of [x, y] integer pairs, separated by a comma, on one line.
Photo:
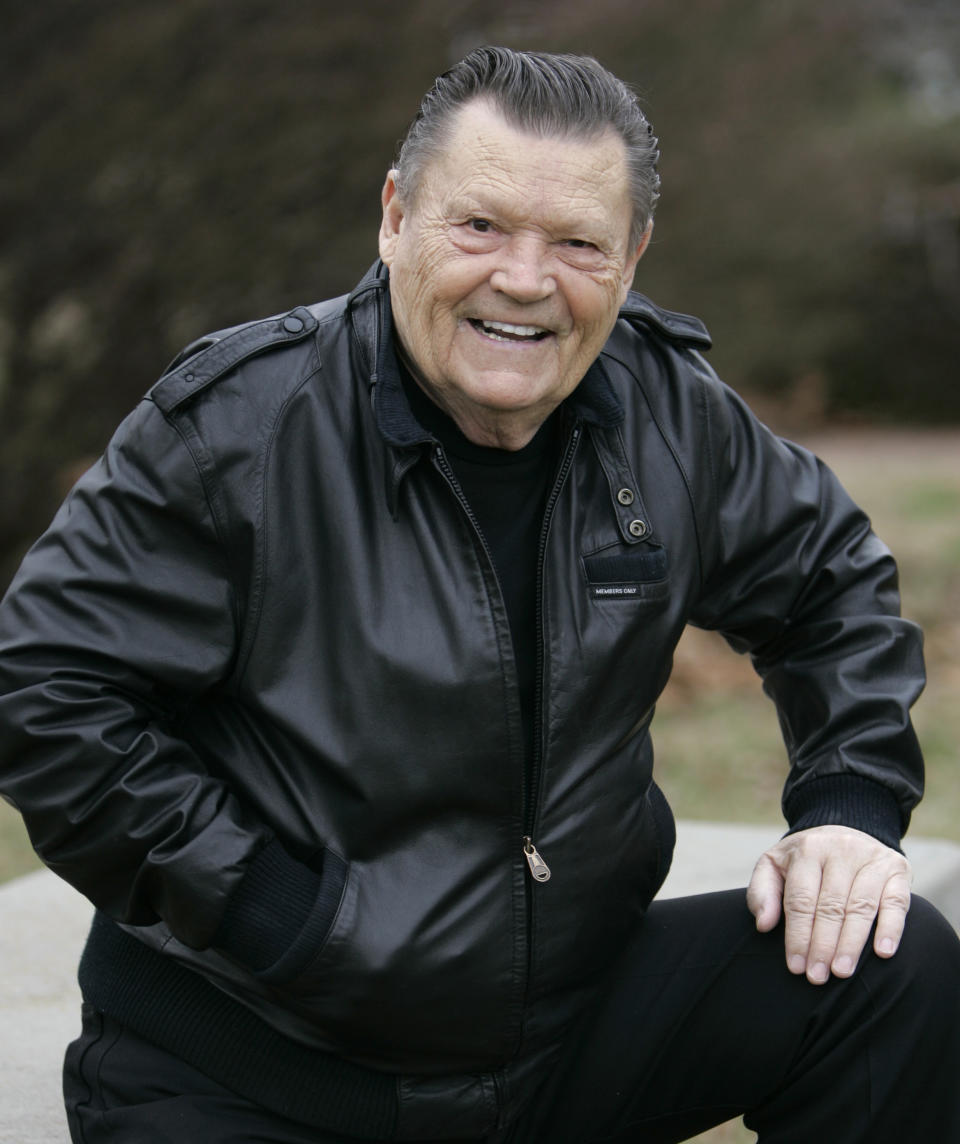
{"points": [[875, 895], [801, 908], [892, 915], [840, 949], [843, 919], [764, 893]]}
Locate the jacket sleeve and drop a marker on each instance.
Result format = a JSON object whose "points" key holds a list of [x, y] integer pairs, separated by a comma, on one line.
{"points": [[793, 574], [120, 617]]}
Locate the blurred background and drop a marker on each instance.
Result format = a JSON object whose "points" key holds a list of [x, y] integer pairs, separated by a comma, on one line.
{"points": [[173, 168]]}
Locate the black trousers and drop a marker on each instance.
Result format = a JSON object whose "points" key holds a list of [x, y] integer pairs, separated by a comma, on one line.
{"points": [[699, 1023]]}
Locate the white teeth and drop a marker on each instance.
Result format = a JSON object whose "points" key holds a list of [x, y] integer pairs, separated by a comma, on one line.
{"points": [[516, 331]]}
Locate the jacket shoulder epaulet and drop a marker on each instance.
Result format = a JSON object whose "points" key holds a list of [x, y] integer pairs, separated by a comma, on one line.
{"points": [[212, 356], [673, 325]]}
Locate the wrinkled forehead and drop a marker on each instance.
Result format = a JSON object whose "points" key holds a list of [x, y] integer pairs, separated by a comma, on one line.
{"points": [[486, 160]]}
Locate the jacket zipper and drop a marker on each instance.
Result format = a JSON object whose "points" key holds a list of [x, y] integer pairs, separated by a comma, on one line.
{"points": [[539, 870], [538, 867]]}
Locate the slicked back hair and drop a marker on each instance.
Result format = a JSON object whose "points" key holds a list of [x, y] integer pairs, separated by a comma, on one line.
{"points": [[566, 96]]}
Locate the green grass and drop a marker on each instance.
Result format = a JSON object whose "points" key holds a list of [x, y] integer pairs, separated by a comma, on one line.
{"points": [[930, 500], [720, 756], [16, 853]]}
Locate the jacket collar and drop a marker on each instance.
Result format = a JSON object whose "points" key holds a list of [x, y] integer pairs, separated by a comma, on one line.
{"points": [[594, 400]]}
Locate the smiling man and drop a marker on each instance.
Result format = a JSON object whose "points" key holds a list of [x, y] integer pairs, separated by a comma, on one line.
{"points": [[509, 259], [331, 685]]}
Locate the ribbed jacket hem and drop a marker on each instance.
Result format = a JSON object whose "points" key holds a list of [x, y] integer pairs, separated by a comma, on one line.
{"points": [[185, 1014]]}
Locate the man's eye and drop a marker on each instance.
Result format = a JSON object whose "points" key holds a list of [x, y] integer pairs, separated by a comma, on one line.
{"points": [[480, 225], [580, 244]]}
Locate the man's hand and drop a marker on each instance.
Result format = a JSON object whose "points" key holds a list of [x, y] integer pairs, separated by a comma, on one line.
{"points": [[833, 881]]}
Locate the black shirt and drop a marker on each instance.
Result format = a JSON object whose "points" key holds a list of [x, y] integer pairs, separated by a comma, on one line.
{"points": [[506, 491]]}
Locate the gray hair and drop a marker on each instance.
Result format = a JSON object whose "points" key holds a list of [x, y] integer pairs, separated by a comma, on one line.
{"points": [[551, 95]]}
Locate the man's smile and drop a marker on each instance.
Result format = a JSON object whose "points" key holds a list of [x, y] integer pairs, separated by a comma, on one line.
{"points": [[508, 332]]}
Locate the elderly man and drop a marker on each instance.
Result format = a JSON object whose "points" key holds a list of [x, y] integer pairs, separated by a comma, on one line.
{"points": [[331, 687]]}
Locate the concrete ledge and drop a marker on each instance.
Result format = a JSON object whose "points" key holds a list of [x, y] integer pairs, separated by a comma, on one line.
{"points": [[43, 924]]}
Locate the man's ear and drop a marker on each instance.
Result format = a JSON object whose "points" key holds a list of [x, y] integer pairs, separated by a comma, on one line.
{"points": [[392, 217], [630, 266]]}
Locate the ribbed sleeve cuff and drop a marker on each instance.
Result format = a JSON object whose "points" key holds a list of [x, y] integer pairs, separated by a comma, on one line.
{"points": [[846, 800], [280, 913]]}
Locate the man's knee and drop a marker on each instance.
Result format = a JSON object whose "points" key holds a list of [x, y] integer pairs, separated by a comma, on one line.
{"points": [[931, 940], [925, 971]]}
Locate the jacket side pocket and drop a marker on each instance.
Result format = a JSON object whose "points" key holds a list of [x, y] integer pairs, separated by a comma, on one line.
{"points": [[319, 925]]}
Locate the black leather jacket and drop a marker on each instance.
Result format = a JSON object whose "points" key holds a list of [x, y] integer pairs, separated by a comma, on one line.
{"points": [[265, 624]]}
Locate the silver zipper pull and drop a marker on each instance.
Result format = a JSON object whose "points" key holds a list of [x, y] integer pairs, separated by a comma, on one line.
{"points": [[538, 868]]}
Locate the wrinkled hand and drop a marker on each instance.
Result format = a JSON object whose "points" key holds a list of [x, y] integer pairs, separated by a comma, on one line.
{"points": [[832, 882]]}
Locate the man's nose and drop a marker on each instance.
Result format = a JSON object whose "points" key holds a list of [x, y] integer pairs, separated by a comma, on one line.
{"points": [[524, 272]]}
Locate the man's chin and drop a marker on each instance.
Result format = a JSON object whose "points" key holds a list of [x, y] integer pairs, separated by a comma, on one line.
{"points": [[508, 396]]}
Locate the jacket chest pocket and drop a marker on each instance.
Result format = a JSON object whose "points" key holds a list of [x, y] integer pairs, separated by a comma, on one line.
{"points": [[621, 558], [638, 573]]}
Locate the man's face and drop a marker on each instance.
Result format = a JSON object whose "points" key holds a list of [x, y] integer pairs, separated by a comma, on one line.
{"points": [[508, 268]]}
